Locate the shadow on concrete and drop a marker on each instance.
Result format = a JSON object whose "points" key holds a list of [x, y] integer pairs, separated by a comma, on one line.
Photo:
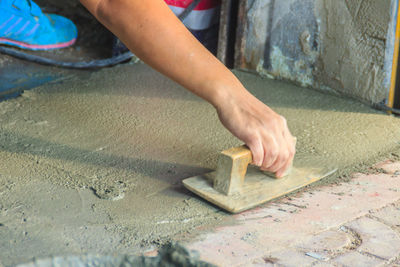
{"points": [[136, 80], [16, 76], [165, 171]]}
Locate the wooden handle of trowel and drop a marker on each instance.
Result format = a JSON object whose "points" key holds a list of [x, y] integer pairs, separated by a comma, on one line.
{"points": [[232, 168]]}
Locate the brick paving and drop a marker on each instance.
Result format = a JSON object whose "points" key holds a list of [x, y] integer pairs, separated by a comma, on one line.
{"points": [[350, 224]]}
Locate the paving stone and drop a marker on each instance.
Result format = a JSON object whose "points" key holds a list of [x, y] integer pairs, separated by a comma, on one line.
{"points": [[377, 238], [389, 167], [291, 257], [396, 263], [390, 215], [327, 241], [355, 258], [325, 264]]}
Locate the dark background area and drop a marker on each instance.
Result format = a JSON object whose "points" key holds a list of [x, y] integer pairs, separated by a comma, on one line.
{"points": [[94, 40]]}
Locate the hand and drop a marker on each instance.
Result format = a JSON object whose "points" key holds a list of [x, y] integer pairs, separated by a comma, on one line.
{"points": [[265, 132]]}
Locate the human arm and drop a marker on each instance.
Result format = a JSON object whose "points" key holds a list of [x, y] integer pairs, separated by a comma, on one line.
{"points": [[154, 34]]}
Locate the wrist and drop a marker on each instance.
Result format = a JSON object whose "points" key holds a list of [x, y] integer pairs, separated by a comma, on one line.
{"points": [[227, 93]]}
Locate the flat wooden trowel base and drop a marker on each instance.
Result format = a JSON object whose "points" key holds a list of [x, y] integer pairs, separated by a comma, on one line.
{"points": [[257, 187]]}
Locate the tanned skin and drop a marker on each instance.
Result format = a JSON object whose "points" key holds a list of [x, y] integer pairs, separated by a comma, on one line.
{"points": [[154, 34]]}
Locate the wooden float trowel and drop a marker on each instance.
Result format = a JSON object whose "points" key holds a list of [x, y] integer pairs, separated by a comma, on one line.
{"points": [[235, 187]]}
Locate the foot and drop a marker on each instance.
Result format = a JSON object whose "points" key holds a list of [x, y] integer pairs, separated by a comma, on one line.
{"points": [[24, 25]]}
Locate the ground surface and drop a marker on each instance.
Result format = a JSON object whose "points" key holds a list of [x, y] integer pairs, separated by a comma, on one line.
{"points": [[95, 164], [350, 224]]}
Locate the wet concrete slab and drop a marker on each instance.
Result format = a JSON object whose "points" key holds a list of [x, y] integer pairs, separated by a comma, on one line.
{"points": [[95, 164]]}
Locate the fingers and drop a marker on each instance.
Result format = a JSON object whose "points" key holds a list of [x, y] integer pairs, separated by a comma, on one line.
{"points": [[257, 150], [281, 161], [281, 172], [271, 153], [291, 151], [279, 150]]}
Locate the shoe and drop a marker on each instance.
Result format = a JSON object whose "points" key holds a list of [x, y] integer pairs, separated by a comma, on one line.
{"points": [[24, 25]]}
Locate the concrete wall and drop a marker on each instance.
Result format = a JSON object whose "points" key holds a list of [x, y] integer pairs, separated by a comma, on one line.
{"points": [[336, 45]]}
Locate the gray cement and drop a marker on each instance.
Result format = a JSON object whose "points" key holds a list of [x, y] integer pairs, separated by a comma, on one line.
{"points": [[95, 165], [338, 46], [170, 255], [353, 36]]}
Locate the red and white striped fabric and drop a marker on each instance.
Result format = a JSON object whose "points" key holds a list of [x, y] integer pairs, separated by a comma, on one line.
{"points": [[204, 16]]}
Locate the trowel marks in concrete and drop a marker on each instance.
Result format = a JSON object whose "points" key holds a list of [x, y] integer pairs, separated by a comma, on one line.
{"points": [[131, 135]]}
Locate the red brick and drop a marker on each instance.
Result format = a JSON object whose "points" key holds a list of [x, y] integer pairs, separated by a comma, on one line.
{"points": [[377, 238], [354, 258], [390, 215]]}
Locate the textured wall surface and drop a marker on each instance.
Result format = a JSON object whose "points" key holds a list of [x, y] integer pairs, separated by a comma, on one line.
{"points": [[353, 35], [327, 44]]}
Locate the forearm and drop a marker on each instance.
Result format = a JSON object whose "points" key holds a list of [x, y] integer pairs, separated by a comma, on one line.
{"points": [[155, 35]]}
